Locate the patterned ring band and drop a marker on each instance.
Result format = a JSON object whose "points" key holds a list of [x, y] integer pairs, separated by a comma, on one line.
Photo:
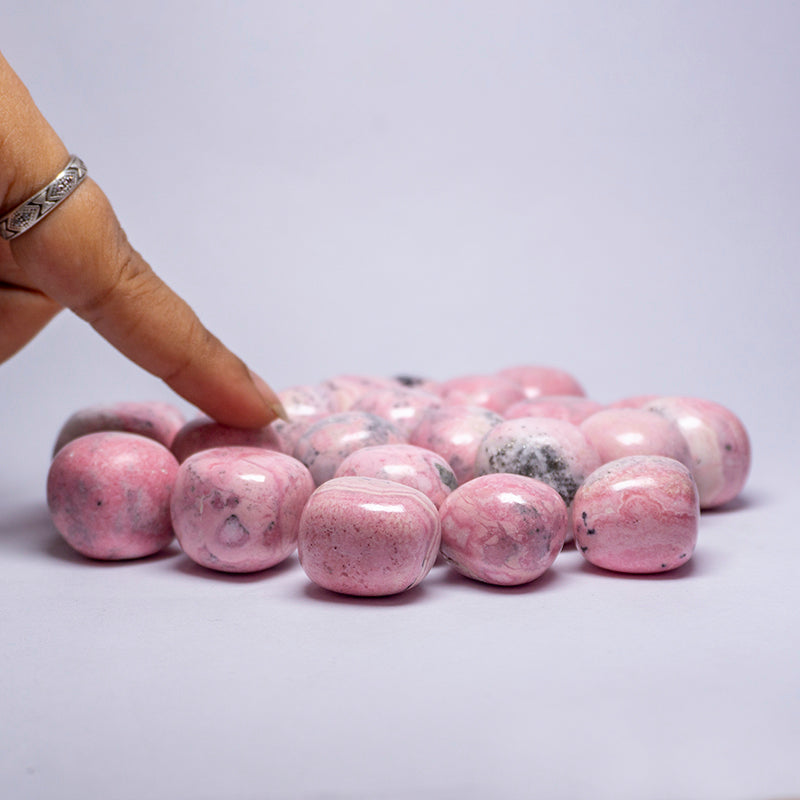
{"points": [[35, 208]]}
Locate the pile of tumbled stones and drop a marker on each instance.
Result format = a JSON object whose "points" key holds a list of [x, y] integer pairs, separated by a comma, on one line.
{"points": [[371, 479]]}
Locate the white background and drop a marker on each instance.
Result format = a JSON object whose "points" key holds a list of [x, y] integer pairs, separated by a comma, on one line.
{"points": [[441, 188]]}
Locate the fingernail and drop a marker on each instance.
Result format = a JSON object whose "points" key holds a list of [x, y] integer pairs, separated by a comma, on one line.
{"points": [[269, 397]]}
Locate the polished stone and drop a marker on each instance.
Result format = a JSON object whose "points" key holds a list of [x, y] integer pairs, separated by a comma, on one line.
{"points": [[637, 514], [536, 381], [454, 432], [237, 509], [327, 443], [369, 537], [203, 434], [550, 450], [718, 444], [155, 420], [108, 495], [619, 432], [404, 463], [503, 529]]}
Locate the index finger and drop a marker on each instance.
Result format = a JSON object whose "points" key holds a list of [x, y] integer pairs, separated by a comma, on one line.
{"points": [[80, 257]]}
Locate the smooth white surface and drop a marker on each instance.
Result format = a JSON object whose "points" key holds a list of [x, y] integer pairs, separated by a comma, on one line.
{"points": [[442, 188]]}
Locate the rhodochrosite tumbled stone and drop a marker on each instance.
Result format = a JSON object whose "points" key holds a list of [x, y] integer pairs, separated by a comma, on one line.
{"points": [[489, 391], [386, 453], [619, 432], [237, 509], [571, 408], [454, 432], [327, 443], [536, 380], [345, 390], [401, 406], [718, 445], [635, 401], [159, 421], [306, 402], [203, 434], [304, 405], [288, 434], [413, 466], [637, 514], [365, 536], [108, 495], [503, 529], [550, 450]]}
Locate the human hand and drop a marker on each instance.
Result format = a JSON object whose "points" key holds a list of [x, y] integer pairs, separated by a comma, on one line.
{"points": [[79, 258]]}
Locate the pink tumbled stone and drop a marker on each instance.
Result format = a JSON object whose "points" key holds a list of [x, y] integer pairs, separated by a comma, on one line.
{"points": [[635, 401], [306, 402], [203, 434], [454, 432], [400, 406], [158, 421], [288, 433], [412, 466], [536, 380], [718, 444], [550, 450], [637, 514], [237, 509], [619, 432], [488, 391], [345, 390], [503, 529], [108, 495], [327, 443], [571, 408], [370, 537]]}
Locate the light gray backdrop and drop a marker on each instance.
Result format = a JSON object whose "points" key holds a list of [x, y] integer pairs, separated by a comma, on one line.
{"points": [[443, 188]]}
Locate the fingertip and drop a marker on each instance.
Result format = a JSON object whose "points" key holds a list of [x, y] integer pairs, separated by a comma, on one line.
{"points": [[269, 397], [224, 388]]}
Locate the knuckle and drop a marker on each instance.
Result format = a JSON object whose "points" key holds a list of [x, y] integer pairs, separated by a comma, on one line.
{"points": [[128, 278], [197, 346]]}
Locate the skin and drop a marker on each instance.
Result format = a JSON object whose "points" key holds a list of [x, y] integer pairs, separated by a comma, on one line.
{"points": [[79, 258]]}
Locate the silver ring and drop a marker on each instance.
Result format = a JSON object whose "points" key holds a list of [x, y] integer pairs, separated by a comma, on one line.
{"points": [[36, 208]]}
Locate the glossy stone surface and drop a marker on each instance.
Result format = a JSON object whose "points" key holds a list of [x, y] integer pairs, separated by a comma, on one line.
{"points": [[237, 509], [488, 391], [634, 401], [454, 432], [401, 406], [327, 443], [203, 434], [345, 390], [570, 408], [619, 432], [412, 466], [718, 444], [638, 514], [158, 421], [108, 495], [370, 537], [536, 381], [550, 450], [503, 529], [306, 402], [304, 405], [289, 433]]}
